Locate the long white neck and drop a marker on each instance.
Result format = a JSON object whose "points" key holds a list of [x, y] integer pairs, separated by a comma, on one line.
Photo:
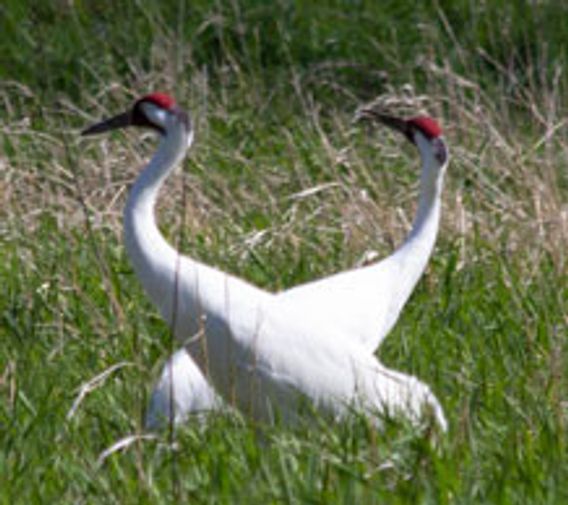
{"points": [[185, 291], [153, 259], [410, 259]]}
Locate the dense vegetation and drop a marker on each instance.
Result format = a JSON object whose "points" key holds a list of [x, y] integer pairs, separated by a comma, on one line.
{"points": [[281, 187]]}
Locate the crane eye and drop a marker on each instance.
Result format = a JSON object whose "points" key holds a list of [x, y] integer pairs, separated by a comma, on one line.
{"points": [[440, 151]]}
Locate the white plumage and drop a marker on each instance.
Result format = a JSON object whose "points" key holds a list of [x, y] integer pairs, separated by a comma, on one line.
{"points": [[263, 352], [187, 394]]}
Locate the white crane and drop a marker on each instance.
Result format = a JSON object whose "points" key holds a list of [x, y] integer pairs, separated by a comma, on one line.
{"points": [[263, 351]]}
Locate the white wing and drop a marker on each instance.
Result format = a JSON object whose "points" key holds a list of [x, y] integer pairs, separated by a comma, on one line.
{"points": [[359, 302], [191, 393]]}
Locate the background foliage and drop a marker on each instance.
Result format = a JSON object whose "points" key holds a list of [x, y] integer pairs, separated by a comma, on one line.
{"points": [[282, 188]]}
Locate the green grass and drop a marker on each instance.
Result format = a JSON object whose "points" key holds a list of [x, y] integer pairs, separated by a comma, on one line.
{"points": [[272, 91]]}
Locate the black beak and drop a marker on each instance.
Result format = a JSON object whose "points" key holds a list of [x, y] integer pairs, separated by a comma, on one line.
{"points": [[121, 121], [393, 122]]}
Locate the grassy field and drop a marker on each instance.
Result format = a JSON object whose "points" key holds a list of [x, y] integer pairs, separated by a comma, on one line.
{"points": [[272, 91]]}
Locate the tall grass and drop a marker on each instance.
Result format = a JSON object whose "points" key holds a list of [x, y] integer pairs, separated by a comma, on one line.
{"points": [[282, 188]]}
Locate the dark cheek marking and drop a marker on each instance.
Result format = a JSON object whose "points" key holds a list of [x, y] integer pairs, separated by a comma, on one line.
{"points": [[182, 117], [440, 153]]}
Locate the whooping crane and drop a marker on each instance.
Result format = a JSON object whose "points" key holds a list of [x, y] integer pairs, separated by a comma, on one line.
{"points": [[263, 351]]}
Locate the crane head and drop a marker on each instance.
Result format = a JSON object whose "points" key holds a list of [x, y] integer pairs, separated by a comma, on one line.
{"points": [[416, 129], [151, 111]]}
